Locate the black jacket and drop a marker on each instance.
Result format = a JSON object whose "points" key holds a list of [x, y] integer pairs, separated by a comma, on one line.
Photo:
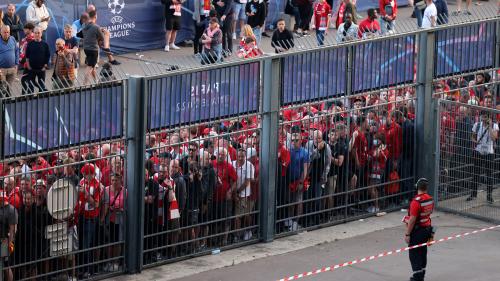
{"points": [[180, 190], [259, 10], [282, 39], [15, 24], [195, 193], [208, 181], [226, 10]]}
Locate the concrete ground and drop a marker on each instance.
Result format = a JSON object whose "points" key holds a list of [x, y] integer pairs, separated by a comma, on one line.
{"points": [[157, 61], [472, 258]]}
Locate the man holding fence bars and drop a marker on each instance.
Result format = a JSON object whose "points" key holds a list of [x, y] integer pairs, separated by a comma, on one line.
{"points": [[484, 135]]}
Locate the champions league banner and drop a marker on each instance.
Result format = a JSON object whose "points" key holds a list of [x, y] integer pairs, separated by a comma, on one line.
{"points": [[203, 96], [465, 48], [43, 123]]}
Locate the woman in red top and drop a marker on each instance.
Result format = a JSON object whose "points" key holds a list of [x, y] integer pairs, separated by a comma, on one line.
{"points": [[248, 44]]}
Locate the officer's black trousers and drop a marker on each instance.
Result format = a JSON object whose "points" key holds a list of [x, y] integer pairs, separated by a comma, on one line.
{"points": [[418, 256]]}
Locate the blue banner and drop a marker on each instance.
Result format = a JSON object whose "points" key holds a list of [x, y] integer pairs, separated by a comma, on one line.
{"points": [[203, 95], [314, 75], [383, 63], [65, 119], [465, 48]]}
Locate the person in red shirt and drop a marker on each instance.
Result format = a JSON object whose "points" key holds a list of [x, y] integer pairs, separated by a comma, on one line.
{"points": [[388, 11], [369, 27], [13, 193], [394, 137], [377, 160], [358, 146], [89, 198], [419, 228], [42, 166], [322, 14], [225, 187]]}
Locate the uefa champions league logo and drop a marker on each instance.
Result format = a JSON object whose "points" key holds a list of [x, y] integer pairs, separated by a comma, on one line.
{"points": [[116, 6]]}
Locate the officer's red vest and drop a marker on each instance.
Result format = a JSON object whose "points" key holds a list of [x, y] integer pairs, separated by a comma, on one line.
{"points": [[425, 203]]}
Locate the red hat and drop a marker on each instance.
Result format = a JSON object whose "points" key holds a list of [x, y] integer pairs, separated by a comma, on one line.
{"points": [[241, 139], [88, 169], [289, 114]]}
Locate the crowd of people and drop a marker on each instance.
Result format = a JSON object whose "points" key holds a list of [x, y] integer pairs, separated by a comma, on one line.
{"points": [[217, 22], [352, 154], [469, 140], [24, 49]]}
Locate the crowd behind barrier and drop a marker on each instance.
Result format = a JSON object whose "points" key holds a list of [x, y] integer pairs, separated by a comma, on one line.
{"points": [[469, 144], [339, 158], [345, 158]]}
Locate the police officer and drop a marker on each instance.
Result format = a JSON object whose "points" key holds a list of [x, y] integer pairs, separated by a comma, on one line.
{"points": [[419, 229], [8, 223]]}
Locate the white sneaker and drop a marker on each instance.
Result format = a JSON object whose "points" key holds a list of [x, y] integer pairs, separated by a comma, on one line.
{"points": [[234, 36], [295, 226], [108, 267], [371, 209], [167, 48], [247, 236], [173, 46]]}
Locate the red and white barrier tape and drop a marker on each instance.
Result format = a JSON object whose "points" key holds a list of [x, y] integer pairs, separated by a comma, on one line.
{"points": [[384, 254]]}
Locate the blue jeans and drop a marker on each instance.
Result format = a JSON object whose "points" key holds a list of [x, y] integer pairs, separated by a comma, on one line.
{"points": [[257, 31], [419, 15], [386, 26], [89, 231], [320, 36]]}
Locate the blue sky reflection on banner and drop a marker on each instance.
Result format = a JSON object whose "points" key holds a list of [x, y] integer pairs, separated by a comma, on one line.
{"points": [[203, 95]]}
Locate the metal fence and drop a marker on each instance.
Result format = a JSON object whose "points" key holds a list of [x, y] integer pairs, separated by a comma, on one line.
{"points": [[63, 171], [469, 159], [151, 170]]}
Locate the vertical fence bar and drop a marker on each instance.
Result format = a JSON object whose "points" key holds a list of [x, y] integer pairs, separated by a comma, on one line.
{"points": [[497, 58], [427, 106], [136, 135], [271, 96], [349, 70], [2, 131]]}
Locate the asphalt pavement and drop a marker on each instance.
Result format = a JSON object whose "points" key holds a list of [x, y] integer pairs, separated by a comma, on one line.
{"points": [[473, 258]]}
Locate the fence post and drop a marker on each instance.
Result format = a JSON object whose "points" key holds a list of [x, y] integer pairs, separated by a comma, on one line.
{"points": [[2, 128], [497, 58], [426, 129], [136, 135], [271, 96]]}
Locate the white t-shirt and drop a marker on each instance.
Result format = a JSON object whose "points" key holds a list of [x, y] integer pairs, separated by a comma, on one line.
{"points": [[485, 145], [429, 12], [246, 171]]}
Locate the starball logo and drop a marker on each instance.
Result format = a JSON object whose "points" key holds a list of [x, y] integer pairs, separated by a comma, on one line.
{"points": [[119, 27], [116, 6]]}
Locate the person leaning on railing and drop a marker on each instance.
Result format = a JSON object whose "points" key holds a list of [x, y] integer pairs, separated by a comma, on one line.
{"points": [[64, 66], [348, 30], [282, 39]]}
